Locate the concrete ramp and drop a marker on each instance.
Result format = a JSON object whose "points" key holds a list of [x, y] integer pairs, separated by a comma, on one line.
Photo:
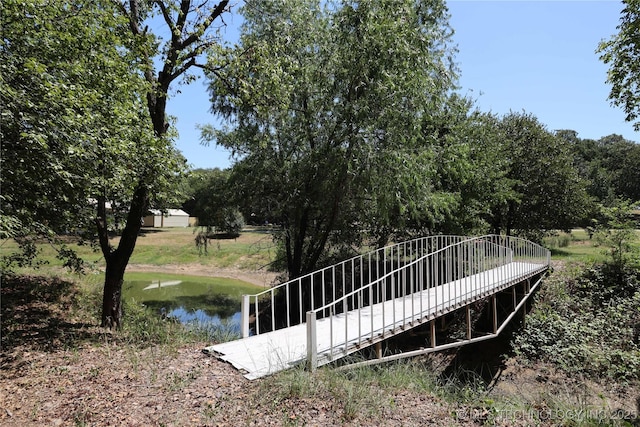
{"points": [[265, 354]]}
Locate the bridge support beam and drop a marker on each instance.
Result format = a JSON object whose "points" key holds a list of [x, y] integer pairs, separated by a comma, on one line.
{"points": [[432, 325], [527, 290], [494, 313], [434, 348]]}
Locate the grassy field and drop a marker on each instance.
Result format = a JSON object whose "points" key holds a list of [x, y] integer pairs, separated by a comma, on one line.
{"points": [[252, 250], [579, 247]]}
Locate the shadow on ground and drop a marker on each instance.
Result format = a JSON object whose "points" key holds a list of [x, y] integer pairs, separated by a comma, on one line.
{"points": [[35, 314]]}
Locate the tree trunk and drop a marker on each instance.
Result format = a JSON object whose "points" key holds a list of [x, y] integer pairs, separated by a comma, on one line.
{"points": [[189, 45], [118, 259], [112, 295]]}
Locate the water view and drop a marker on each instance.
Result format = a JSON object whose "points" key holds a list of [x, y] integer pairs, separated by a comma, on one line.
{"points": [[211, 301]]}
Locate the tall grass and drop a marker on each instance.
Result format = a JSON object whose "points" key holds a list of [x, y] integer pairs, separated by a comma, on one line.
{"points": [[368, 392]]}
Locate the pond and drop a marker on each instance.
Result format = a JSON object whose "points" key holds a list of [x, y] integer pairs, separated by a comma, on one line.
{"points": [[211, 301]]}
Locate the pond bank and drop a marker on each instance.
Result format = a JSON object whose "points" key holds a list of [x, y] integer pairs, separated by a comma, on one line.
{"points": [[262, 278]]}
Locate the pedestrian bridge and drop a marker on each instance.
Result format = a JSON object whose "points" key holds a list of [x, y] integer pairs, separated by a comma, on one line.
{"points": [[326, 315]]}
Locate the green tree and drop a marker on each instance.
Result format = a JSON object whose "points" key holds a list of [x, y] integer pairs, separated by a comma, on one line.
{"points": [[621, 159], [547, 192], [213, 201], [428, 195], [327, 102], [191, 34], [622, 54], [482, 172], [588, 160], [84, 116], [610, 165], [73, 122], [208, 195]]}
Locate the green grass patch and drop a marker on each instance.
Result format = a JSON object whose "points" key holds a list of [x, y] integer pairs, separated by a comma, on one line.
{"points": [[363, 393], [252, 250], [577, 246]]}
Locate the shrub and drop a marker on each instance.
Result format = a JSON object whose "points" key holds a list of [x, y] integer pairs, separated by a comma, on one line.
{"points": [[608, 283], [592, 329], [558, 241]]}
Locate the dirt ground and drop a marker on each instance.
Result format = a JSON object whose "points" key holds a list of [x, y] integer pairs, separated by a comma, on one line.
{"points": [[58, 371]]}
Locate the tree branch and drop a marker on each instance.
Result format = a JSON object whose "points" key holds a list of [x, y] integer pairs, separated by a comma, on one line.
{"points": [[101, 225], [133, 16], [196, 34], [182, 69], [167, 18], [182, 16]]}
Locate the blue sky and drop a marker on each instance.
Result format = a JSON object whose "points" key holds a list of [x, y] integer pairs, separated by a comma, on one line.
{"points": [[532, 56]]}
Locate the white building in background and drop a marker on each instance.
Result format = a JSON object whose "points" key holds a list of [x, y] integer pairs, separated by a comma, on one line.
{"points": [[171, 218]]}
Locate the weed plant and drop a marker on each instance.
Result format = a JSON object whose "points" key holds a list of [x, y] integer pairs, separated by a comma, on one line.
{"points": [[209, 332]]}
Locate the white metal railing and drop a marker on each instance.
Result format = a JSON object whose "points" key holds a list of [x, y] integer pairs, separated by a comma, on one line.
{"points": [[285, 305], [453, 274]]}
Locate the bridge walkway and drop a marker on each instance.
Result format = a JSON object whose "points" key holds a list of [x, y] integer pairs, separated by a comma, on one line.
{"points": [[331, 332]]}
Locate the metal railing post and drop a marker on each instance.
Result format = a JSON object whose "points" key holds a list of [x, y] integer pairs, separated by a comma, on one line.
{"points": [[312, 341], [244, 316], [288, 313]]}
